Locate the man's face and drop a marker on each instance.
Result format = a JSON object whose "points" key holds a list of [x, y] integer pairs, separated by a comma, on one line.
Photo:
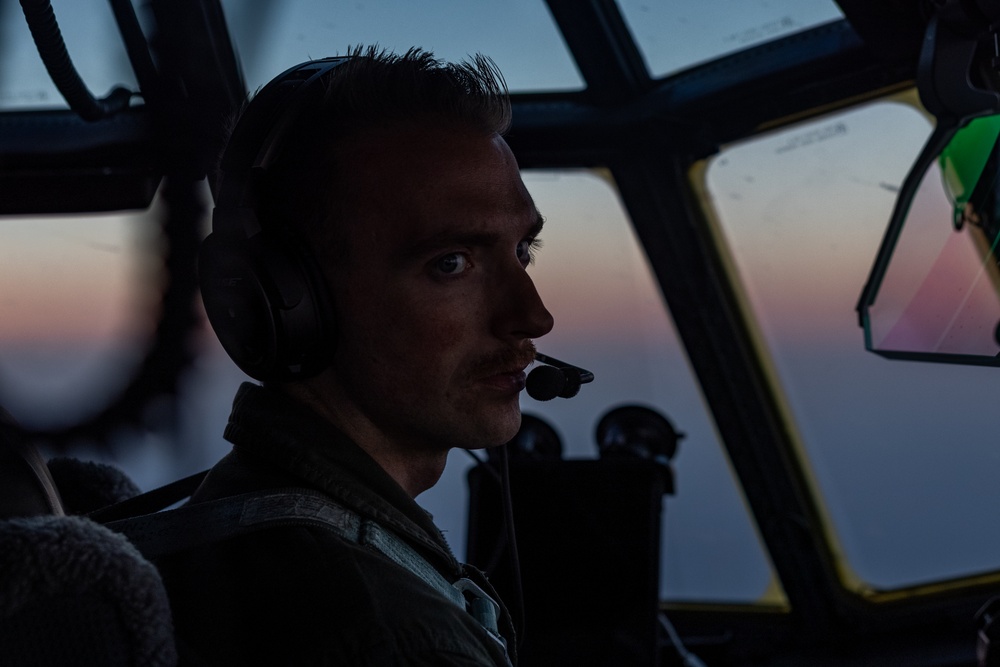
{"points": [[436, 311]]}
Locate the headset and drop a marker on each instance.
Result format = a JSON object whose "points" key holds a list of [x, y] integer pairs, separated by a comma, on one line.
{"points": [[263, 292], [264, 295]]}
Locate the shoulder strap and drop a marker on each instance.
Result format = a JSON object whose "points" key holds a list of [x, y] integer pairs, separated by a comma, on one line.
{"points": [[175, 530]]}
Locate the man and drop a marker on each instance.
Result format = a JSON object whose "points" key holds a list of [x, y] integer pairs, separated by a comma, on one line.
{"points": [[397, 181]]}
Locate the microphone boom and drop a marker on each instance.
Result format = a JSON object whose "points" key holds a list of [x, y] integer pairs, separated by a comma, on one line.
{"points": [[556, 378]]}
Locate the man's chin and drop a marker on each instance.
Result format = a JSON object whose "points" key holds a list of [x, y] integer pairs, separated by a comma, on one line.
{"points": [[497, 431]]}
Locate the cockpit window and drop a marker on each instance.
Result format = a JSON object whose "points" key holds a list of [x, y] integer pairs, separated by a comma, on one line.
{"points": [[676, 35], [802, 212], [520, 36], [92, 41]]}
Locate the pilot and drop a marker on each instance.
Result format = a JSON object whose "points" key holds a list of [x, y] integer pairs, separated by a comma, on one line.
{"points": [[368, 263]]}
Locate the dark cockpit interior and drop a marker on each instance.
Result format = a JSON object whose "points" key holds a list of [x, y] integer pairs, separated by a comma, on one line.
{"points": [[771, 236]]}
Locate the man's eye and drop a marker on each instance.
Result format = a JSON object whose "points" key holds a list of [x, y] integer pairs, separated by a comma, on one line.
{"points": [[526, 250], [452, 264]]}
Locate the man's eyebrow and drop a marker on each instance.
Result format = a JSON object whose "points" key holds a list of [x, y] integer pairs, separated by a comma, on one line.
{"points": [[472, 239], [430, 244]]}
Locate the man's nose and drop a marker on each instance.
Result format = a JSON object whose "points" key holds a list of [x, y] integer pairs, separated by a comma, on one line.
{"points": [[523, 314]]}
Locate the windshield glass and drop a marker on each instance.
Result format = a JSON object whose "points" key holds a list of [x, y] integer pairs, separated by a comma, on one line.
{"points": [[802, 212], [677, 35]]}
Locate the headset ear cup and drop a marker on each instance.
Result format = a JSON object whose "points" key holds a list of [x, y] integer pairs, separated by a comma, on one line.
{"points": [[265, 297], [237, 304], [265, 308]]}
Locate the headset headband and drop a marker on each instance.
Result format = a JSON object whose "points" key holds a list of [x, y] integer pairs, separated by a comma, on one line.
{"points": [[265, 298], [257, 140]]}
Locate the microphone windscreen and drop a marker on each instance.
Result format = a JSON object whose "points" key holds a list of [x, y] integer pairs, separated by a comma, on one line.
{"points": [[545, 382]]}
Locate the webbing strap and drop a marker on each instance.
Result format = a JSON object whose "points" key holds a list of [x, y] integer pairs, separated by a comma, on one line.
{"points": [[178, 529], [402, 553]]}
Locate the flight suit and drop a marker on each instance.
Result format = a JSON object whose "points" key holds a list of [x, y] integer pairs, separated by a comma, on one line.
{"points": [[302, 595]]}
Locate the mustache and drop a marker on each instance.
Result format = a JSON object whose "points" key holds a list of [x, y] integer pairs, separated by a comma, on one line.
{"points": [[503, 360]]}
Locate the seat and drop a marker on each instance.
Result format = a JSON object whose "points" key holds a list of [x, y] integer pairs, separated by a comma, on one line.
{"points": [[86, 486], [71, 590]]}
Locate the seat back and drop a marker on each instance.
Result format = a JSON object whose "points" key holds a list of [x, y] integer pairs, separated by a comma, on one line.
{"points": [[72, 592]]}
